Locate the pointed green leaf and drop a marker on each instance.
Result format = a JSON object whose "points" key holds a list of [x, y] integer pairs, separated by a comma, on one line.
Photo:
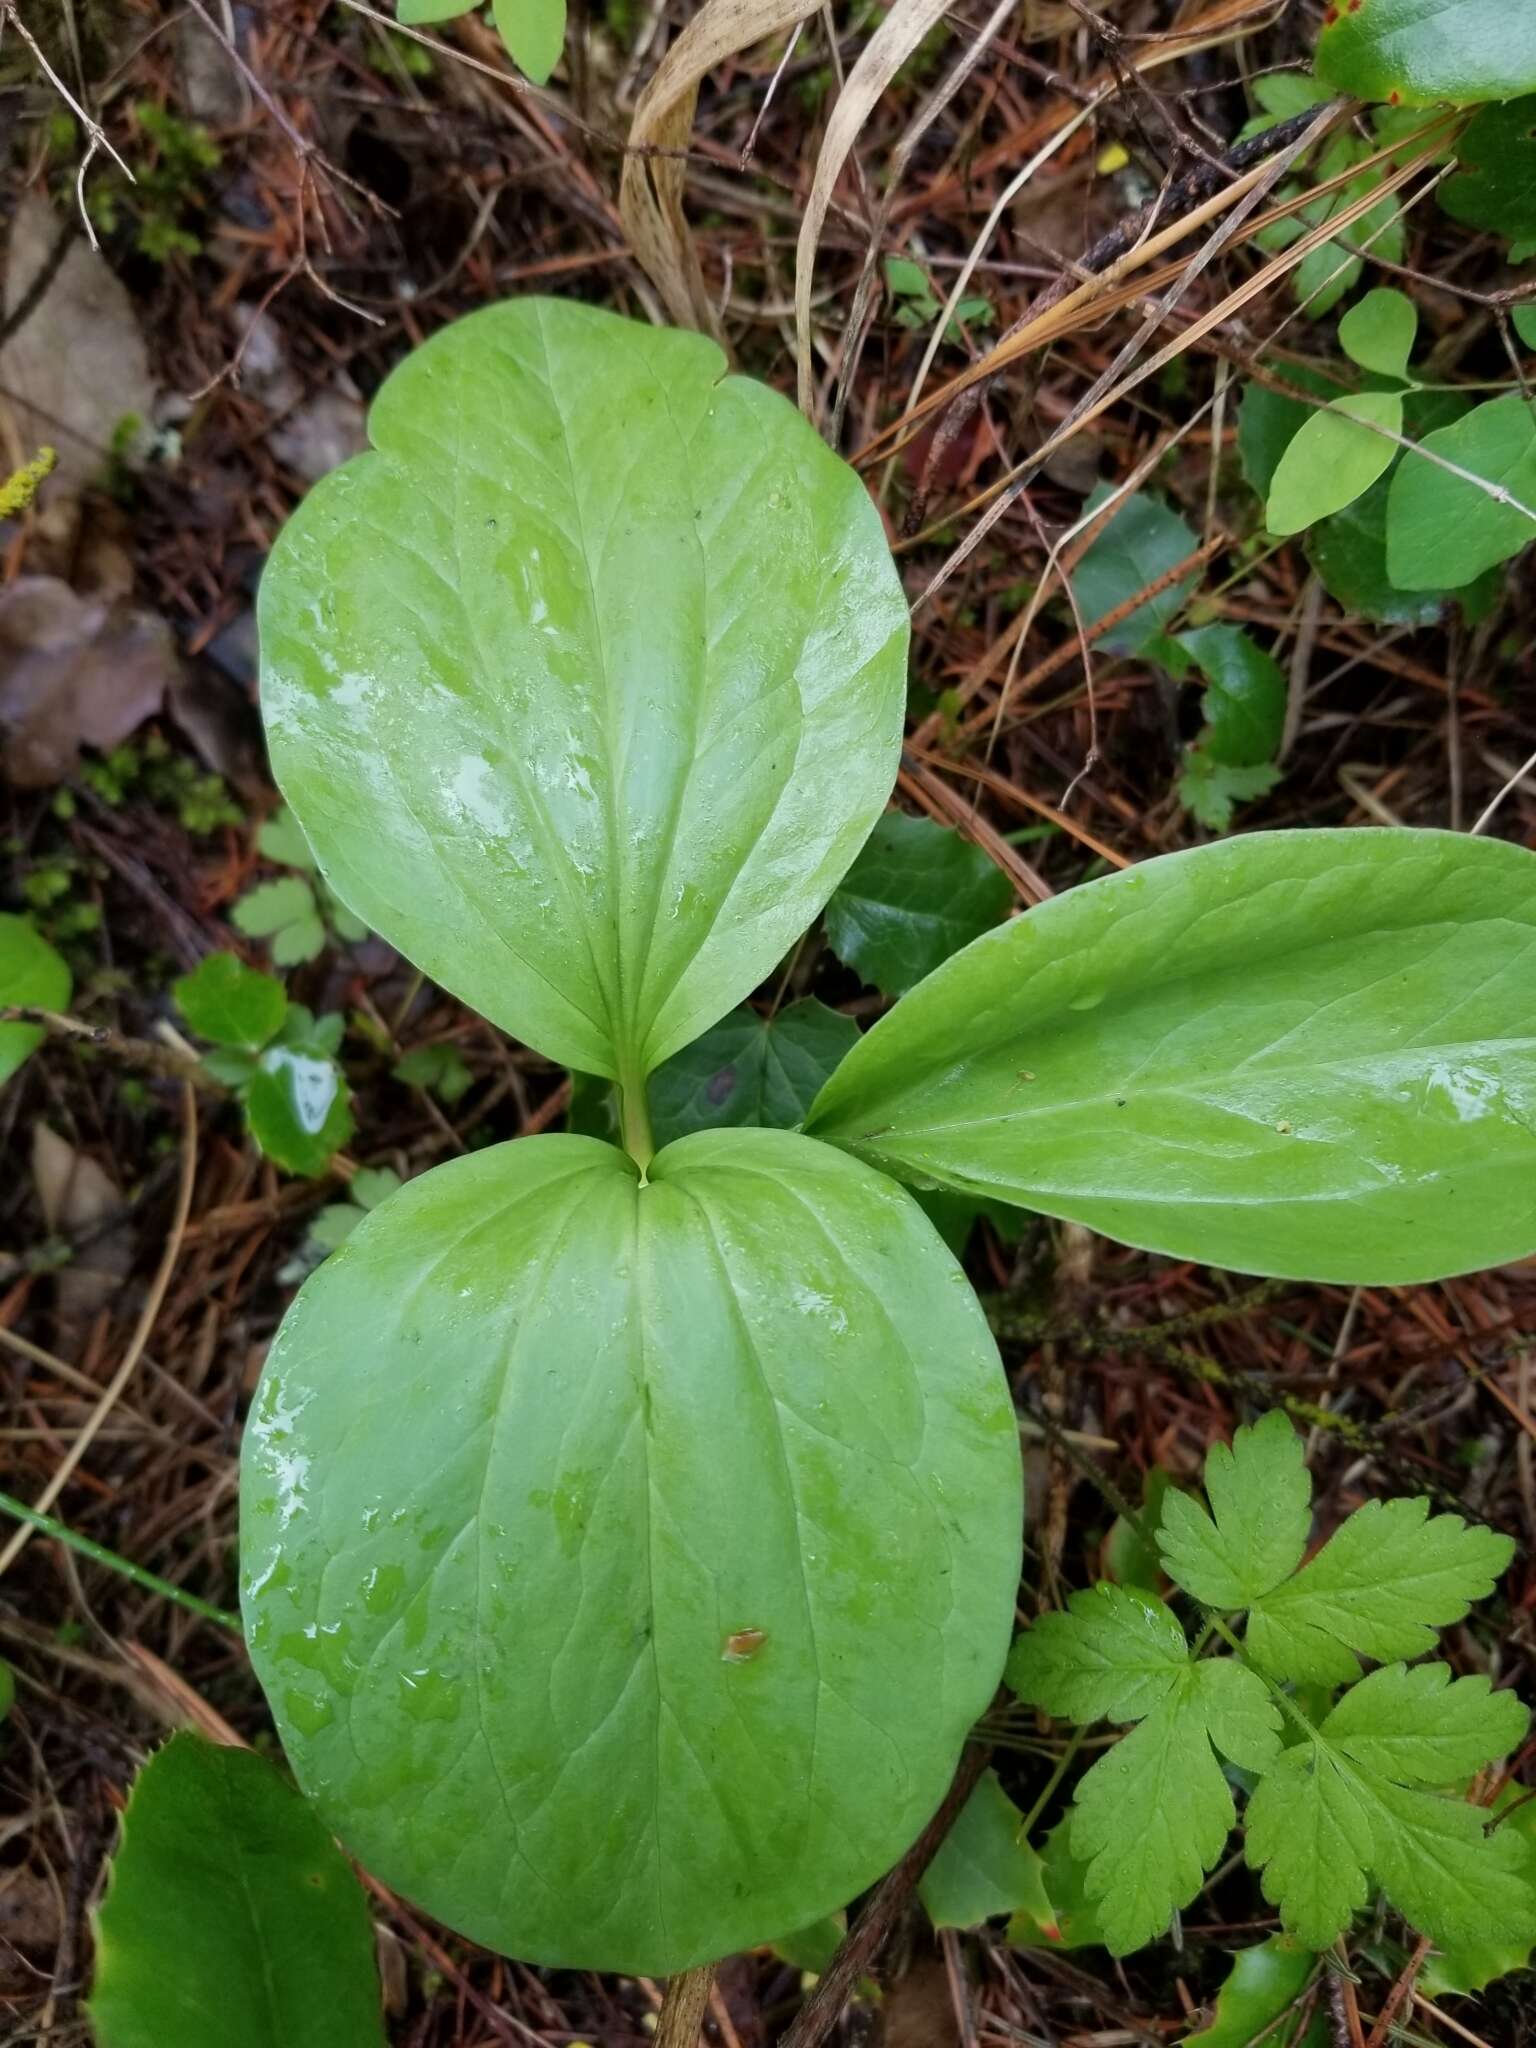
{"points": [[1073, 1919], [1383, 1584], [1261, 1502], [1416, 1725], [917, 893], [1309, 1832], [32, 976], [626, 1564], [1245, 695], [1142, 541], [984, 1866], [750, 1069], [1468, 1966], [534, 33], [1495, 184], [1210, 788], [587, 685], [1336, 455], [1443, 529], [1265, 1983], [231, 1916], [1420, 51], [231, 1004], [1113, 1655], [1377, 332], [1306, 1053]]}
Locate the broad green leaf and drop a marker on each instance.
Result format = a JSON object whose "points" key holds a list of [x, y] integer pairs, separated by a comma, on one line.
{"points": [[984, 1866], [917, 893], [282, 840], [1303, 1053], [1419, 51], [1115, 1654], [588, 684], [231, 1004], [1383, 1584], [1416, 1725], [1130, 1557], [419, 13], [1153, 1814], [812, 1948], [1264, 1984], [231, 1915], [1210, 788], [1443, 529], [1245, 695], [750, 1069], [1268, 421], [1337, 454], [297, 1110], [906, 278], [1495, 187], [1320, 1825], [1349, 553], [1377, 332], [1261, 1512], [625, 1564], [1469, 1966], [284, 913], [1142, 540], [534, 33], [32, 976]]}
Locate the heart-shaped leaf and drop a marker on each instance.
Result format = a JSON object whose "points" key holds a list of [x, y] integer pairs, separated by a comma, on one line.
{"points": [[625, 1562], [1377, 333], [749, 1069], [1415, 52], [587, 685], [1303, 1053]]}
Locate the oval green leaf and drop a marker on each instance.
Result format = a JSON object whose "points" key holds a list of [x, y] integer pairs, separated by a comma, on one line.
{"points": [[32, 976], [1443, 529], [1418, 51], [1378, 331], [534, 33], [587, 684], [626, 1563], [1336, 455], [231, 1916], [1310, 1054]]}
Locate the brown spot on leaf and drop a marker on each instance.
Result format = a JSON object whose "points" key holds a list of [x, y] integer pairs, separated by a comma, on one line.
{"points": [[742, 1644]]}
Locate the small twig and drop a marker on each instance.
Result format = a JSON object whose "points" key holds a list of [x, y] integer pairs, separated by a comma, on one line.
{"points": [[95, 133], [132, 1052]]}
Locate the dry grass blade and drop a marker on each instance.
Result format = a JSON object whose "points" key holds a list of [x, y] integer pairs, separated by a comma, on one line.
{"points": [[651, 188]]}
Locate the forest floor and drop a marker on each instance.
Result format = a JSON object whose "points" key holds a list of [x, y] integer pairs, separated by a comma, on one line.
{"points": [[300, 222]]}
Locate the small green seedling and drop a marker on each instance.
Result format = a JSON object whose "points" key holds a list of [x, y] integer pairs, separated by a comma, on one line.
{"points": [[533, 31], [331, 1226], [918, 306], [293, 914], [630, 1534], [33, 976]]}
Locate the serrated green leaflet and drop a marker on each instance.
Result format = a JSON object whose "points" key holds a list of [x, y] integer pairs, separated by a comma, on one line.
{"points": [[1420, 51], [1381, 1585], [1444, 529], [984, 1866], [32, 976], [1245, 695], [625, 1563], [1112, 1656], [231, 1916], [1337, 454], [546, 722], [1470, 1965], [917, 893], [1256, 1532], [1419, 1726], [750, 1069], [1303, 1053]]}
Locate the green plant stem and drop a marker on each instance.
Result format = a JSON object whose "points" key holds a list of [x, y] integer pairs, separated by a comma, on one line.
{"points": [[99, 1554], [635, 1121], [1063, 1765]]}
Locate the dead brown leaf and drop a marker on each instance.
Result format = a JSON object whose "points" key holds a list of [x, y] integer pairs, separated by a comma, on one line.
{"points": [[74, 672], [74, 1193]]}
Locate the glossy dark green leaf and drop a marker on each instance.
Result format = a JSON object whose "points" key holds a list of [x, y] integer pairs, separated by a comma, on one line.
{"points": [[750, 1069], [534, 33], [231, 1004], [1245, 695], [1303, 1053], [1494, 187], [231, 1916], [588, 684], [296, 1107], [1443, 529], [1266, 1983], [1142, 540], [984, 1866], [1420, 51], [626, 1563], [1336, 455], [917, 893], [1349, 553], [32, 976]]}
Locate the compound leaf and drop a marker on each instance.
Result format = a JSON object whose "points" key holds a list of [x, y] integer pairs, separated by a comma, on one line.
{"points": [[750, 1069], [1113, 1655], [1261, 1512], [1377, 332], [917, 893], [1245, 695], [231, 1004], [1469, 1965], [1335, 456], [284, 913], [1415, 1724], [1382, 1585], [984, 1866], [231, 1915], [1442, 529], [625, 1564], [1415, 52], [32, 976], [1211, 789], [589, 739], [1309, 1832], [1303, 1053]]}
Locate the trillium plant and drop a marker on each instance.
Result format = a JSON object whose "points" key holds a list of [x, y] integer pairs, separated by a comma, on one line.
{"points": [[631, 1536]]}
